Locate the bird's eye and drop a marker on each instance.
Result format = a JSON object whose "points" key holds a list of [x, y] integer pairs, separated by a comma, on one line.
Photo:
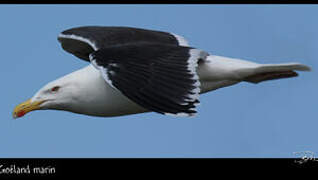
{"points": [[55, 89]]}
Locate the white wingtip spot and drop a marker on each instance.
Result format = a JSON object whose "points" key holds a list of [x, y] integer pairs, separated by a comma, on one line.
{"points": [[180, 114], [181, 40]]}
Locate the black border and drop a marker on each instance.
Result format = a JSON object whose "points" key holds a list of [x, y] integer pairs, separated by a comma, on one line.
{"points": [[108, 167]]}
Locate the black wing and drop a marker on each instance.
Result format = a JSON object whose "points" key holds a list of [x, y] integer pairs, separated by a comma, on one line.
{"points": [[82, 41], [158, 77]]}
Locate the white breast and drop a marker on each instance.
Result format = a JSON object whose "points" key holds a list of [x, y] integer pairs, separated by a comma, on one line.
{"points": [[98, 98]]}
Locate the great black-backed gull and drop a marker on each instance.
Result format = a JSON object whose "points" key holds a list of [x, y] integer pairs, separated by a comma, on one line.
{"points": [[135, 70]]}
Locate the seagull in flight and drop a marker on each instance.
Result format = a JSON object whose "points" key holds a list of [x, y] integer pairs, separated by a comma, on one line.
{"points": [[134, 70]]}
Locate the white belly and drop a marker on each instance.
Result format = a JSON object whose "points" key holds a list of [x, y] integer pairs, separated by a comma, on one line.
{"points": [[111, 102]]}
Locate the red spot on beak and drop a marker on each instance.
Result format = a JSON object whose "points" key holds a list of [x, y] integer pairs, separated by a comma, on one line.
{"points": [[21, 113]]}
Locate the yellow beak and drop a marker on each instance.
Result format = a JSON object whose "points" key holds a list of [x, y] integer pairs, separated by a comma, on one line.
{"points": [[25, 107]]}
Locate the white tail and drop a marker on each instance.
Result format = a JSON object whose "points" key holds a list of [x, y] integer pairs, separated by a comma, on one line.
{"points": [[275, 71], [282, 67], [219, 68]]}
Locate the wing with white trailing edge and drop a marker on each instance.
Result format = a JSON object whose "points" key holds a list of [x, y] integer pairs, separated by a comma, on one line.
{"points": [[158, 77]]}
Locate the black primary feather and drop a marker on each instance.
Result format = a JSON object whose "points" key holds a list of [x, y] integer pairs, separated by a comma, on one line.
{"points": [[158, 77]]}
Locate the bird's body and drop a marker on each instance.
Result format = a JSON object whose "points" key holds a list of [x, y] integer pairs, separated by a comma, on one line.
{"points": [[142, 77], [215, 73]]}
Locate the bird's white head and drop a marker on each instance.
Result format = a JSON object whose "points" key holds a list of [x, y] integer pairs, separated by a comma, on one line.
{"points": [[57, 94], [73, 92]]}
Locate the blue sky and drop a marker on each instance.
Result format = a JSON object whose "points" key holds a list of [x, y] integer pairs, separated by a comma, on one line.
{"points": [[271, 119]]}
